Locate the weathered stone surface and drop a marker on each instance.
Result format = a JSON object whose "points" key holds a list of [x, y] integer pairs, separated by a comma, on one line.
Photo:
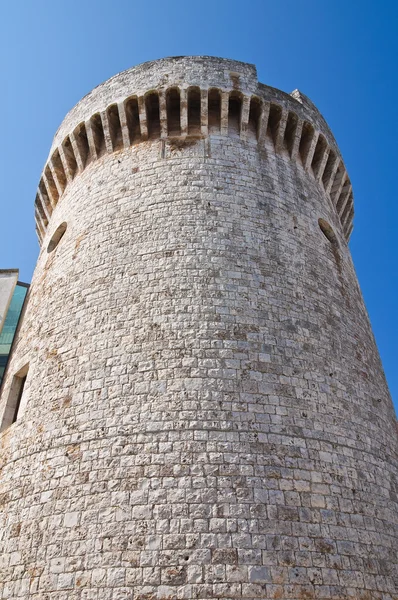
{"points": [[205, 413]]}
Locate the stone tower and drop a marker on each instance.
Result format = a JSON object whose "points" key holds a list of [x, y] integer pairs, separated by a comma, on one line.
{"points": [[194, 407]]}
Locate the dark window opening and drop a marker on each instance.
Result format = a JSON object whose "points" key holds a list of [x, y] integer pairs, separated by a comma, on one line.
{"points": [[214, 111], [115, 129], [98, 134], [234, 113], [133, 120], [15, 396], [254, 117], [290, 131], [173, 108], [153, 115], [275, 114], [82, 143], [20, 384], [194, 107]]}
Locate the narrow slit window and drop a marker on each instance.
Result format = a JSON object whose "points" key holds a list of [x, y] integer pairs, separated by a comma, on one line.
{"points": [[194, 104], [173, 112], [21, 385]]}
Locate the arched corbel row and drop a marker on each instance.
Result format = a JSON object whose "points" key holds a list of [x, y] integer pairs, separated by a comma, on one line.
{"points": [[192, 111]]}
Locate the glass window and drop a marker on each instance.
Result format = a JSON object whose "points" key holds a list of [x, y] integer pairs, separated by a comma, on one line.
{"points": [[10, 324]]}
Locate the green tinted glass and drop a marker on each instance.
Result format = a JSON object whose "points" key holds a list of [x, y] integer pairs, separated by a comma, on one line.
{"points": [[10, 325]]}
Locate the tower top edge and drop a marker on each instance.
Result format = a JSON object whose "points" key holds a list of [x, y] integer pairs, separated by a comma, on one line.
{"points": [[4, 272], [202, 71], [120, 111], [197, 58], [167, 61]]}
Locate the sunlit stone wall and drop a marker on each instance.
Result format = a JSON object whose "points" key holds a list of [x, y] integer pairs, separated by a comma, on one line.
{"points": [[204, 414]]}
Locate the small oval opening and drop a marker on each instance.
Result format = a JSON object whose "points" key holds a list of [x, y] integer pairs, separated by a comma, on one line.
{"points": [[56, 238], [328, 231]]}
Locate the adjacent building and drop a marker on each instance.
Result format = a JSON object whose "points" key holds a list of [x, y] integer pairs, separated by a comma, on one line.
{"points": [[12, 298]]}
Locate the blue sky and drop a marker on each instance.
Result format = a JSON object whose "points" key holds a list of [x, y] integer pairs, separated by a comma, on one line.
{"points": [[342, 54]]}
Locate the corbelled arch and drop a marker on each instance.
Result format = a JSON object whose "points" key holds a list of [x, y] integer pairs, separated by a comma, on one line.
{"points": [[191, 111]]}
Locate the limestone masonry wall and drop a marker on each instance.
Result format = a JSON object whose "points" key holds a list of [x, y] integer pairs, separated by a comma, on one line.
{"points": [[195, 406], [192, 96]]}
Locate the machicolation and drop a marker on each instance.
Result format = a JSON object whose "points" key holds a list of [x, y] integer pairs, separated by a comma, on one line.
{"points": [[189, 111]]}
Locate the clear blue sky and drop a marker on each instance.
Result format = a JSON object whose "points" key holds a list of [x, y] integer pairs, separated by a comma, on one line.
{"points": [[342, 54]]}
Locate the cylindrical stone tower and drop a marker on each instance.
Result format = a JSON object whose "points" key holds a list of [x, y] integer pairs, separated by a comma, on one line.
{"points": [[194, 407]]}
